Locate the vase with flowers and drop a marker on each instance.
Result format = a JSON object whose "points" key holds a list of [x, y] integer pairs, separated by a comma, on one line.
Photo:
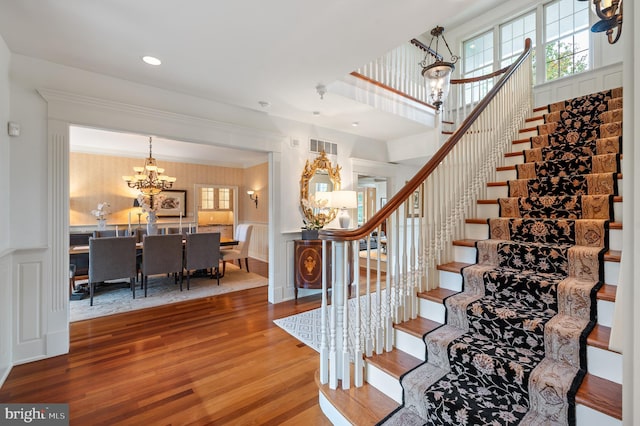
{"points": [[101, 214], [150, 205], [317, 219]]}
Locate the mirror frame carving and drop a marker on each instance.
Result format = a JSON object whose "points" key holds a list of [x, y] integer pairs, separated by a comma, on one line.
{"points": [[320, 163]]}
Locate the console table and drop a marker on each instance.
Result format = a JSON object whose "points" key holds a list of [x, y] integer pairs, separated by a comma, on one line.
{"points": [[308, 265]]}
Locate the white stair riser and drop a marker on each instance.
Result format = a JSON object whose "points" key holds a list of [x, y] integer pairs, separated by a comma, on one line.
{"points": [[464, 254], [486, 211], [478, 231], [605, 364], [611, 272], [332, 413], [504, 175], [433, 311], [412, 345], [513, 160], [451, 280], [519, 147], [384, 382], [605, 312], [586, 416], [527, 134]]}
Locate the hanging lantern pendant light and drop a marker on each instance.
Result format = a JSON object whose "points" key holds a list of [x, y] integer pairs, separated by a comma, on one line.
{"points": [[438, 74]]}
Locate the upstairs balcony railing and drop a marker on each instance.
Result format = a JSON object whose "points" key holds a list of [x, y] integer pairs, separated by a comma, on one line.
{"points": [[399, 72], [422, 220]]}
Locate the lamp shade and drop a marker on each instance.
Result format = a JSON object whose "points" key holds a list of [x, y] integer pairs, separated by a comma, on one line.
{"points": [[344, 200]]}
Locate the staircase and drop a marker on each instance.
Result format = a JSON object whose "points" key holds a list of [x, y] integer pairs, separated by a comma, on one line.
{"points": [[542, 203]]}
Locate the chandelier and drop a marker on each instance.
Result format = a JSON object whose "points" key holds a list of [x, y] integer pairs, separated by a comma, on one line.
{"points": [[438, 73], [149, 179], [610, 14]]}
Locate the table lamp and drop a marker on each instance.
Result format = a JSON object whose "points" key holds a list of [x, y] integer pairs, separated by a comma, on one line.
{"points": [[344, 200]]}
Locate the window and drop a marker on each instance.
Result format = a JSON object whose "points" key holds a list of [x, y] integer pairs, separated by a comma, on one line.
{"points": [[512, 37], [566, 41], [560, 29], [224, 198], [477, 61], [207, 198]]}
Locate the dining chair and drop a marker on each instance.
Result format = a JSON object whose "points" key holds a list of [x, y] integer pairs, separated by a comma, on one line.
{"points": [[105, 233], [173, 230], [202, 251], [241, 251], [161, 254], [80, 262], [111, 258]]}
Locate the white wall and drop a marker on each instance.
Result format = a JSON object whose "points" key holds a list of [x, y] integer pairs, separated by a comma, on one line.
{"points": [[6, 310]]}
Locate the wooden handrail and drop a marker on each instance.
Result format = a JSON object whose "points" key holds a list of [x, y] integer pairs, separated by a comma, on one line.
{"points": [[396, 201], [482, 77], [390, 89]]}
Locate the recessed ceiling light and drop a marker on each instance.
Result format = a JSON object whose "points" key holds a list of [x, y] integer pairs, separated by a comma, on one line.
{"points": [[151, 60], [316, 113], [264, 104], [355, 124]]}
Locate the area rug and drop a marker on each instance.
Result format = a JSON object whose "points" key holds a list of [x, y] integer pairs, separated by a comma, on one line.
{"points": [[114, 298], [307, 326]]}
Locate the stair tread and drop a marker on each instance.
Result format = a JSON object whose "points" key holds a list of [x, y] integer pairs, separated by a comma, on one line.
{"points": [[365, 405], [607, 292], [541, 108], [601, 395], [519, 141], [394, 363], [437, 294], [466, 242], [417, 327], [505, 168], [514, 154], [452, 266], [534, 118], [599, 337], [528, 129]]}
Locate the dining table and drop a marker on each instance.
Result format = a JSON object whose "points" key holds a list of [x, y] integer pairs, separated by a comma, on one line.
{"points": [[84, 249]]}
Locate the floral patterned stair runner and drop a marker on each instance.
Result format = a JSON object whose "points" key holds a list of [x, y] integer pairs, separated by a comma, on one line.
{"points": [[513, 348]]}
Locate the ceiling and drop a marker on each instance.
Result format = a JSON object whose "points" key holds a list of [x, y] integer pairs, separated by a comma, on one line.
{"points": [[238, 52]]}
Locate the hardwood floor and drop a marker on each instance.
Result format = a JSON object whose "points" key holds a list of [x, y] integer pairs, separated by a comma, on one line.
{"points": [[213, 361]]}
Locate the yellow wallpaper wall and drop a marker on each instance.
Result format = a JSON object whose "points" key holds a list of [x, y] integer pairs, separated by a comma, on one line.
{"points": [[97, 178]]}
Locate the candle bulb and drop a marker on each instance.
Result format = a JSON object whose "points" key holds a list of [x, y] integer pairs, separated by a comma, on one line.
{"points": [[129, 228], [117, 231]]}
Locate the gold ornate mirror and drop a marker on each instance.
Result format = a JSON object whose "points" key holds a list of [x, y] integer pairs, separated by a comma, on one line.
{"points": [[318, 178]]}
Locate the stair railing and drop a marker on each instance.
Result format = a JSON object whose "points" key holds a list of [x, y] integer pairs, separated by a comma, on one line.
{"points": [[421, 220], [399, 72]]}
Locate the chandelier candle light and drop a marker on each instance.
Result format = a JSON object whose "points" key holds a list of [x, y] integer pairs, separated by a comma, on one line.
{"points": [[438, 73], [149, 179]]}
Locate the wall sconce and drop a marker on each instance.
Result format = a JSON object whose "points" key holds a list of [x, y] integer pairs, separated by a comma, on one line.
{"points": [[610, 14], [253, 196]]}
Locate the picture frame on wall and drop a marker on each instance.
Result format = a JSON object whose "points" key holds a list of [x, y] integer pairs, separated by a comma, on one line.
{"points": [[173, 204]]}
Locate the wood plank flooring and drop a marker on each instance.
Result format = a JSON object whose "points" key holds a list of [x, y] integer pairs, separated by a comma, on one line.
{"points": [[214, 361]]}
